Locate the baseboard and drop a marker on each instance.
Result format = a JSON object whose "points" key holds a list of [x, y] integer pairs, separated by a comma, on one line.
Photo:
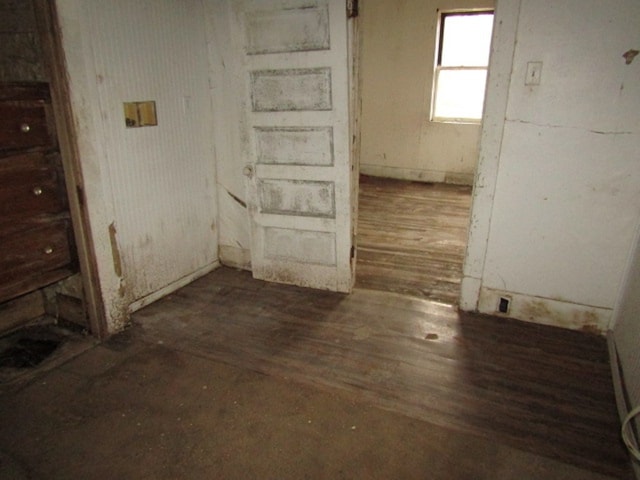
{"points": [[172, 287], [417, 175], [546, 311], [469, 293]]}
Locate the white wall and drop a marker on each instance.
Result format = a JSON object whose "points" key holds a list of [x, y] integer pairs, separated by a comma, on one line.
{"points": [[225, 59], [150, 191], [558, 186], [398, 57]]}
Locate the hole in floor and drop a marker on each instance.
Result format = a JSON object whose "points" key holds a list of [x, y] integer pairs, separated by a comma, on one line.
{"points": [[29, 346]]}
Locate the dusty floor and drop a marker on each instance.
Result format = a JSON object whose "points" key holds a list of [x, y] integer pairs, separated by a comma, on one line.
{"points": [[135, 408]]}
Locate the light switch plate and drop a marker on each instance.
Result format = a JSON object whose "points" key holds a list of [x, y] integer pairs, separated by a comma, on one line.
{"points": [[534, 73], [140, 114]]}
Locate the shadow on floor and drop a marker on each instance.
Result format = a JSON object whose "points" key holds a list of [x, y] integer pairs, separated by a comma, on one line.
{"points": [[236, 378]]}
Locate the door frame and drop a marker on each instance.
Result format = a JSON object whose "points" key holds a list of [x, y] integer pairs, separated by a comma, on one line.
{"points": [[53, 54], [354, 55]]}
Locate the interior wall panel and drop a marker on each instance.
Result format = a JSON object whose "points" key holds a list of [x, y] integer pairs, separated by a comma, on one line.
{"points": [[162, 177]]}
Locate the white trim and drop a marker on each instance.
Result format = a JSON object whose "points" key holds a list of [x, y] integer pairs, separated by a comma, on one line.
{"points": [[437, 68], [503, 43], [417, 175]]}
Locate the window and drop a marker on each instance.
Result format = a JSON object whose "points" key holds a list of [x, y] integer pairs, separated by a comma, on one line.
{"points": [[461, 68]]}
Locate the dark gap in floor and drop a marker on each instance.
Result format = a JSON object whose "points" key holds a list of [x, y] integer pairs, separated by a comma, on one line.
{"points": [[30, 346], [27, 352]]}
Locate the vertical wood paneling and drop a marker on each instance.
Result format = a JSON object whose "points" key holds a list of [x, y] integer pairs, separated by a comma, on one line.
{"points": [[162, 177]]}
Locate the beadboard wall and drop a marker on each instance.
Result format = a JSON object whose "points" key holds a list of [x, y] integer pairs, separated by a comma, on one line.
{"points": [[150, 190]]}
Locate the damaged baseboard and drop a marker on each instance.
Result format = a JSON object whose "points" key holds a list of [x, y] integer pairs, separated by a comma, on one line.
{"points": [[546, 311], [172, 287], [235, 257]]}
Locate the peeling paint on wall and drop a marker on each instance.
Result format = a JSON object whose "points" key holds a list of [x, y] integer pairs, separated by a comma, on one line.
{"points": [[629, 55], [115, 251]]}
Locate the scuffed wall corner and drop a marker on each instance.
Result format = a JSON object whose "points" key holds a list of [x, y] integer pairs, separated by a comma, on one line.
{"points": [[118, 314], [236, 257], [469, 293]]}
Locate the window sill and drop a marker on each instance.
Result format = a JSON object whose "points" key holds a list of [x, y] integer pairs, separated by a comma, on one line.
{"points": [[456, 121]]}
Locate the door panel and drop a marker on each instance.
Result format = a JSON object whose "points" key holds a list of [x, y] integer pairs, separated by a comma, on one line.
{"points": [[296, 140]]}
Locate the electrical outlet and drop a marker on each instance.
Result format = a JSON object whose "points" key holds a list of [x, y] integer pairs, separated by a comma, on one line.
{"points": [[503, 304]]}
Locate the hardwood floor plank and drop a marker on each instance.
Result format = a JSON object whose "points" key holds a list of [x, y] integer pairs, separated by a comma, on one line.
{"points": [[412, 237], [540, 389]]}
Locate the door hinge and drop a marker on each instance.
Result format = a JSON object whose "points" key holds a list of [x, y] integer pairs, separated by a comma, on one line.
{"points": [[352, 8], [80, 194]]}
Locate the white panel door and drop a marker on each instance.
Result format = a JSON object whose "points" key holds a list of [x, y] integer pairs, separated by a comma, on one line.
{"points": [[296, 140]]}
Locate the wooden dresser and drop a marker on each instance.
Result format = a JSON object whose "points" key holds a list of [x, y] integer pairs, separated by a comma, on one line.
{"points": [[36, 241]]}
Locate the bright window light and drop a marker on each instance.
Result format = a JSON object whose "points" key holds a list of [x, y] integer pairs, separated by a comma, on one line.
{"points": [[461, 70]]}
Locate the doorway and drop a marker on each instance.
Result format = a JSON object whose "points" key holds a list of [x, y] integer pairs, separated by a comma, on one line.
{"points": [[412, 237], [419, 143]]}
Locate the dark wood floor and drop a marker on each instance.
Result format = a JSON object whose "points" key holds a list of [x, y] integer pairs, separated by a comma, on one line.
{"points": [[538, 389], [412, 237]]}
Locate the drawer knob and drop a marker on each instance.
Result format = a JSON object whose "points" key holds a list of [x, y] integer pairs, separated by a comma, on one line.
{"points": [[25, 128], [37, 191], [48, 250]]}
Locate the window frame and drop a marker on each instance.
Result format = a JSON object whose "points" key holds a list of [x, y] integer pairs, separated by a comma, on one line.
{"points": [[438, 63]]}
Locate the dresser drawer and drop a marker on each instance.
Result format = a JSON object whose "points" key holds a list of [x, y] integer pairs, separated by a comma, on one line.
{"points": [[35, 256], [25, 125], [31, 184]]}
